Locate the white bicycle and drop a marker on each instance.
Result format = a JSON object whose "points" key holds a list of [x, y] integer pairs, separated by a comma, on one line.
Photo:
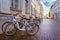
{"points": [[10, 28]]}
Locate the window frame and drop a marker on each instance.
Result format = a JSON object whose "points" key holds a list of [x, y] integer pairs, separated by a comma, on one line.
{"points": [[15, 4]]}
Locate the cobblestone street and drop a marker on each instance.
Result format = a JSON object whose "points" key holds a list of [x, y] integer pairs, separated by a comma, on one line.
{"points": [[49, 30]]}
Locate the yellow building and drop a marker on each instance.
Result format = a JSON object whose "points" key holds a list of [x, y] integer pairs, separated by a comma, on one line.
{"points": [[50, 13], [41, 10]]}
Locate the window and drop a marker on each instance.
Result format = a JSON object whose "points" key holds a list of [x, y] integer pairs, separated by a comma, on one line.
{"points": [[15, 4], [26, 5]]}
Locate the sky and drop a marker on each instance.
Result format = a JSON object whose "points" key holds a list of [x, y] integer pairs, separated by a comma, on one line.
{"points": [[46, 5]]}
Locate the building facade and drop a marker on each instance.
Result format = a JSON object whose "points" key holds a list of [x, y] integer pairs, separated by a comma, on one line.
{"points": [[3, 6], [28, 7], [22, 7], [56, 9]]}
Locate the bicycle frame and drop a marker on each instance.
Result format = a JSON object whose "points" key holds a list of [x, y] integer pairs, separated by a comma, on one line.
{"points": [[25, 22]]}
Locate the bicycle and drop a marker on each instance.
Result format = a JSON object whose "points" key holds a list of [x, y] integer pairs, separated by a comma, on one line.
{"points": [[10, 28]]}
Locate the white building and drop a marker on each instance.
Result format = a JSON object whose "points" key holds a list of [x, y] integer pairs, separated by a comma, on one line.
{"points": [[5, 6], [35, 8], [56, 9]]}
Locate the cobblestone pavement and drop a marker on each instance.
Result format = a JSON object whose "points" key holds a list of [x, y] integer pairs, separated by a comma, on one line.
{"points": [[49, 30]]}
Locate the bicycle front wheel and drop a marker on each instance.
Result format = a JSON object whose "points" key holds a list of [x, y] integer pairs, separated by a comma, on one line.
{"points": [[8, 28], [32, 29]]}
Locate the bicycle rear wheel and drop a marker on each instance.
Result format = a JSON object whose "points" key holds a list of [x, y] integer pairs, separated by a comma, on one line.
{"points": [[32, 29], [8, 28]]}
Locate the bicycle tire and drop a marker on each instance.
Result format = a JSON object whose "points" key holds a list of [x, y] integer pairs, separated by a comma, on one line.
{"points": [[31, 26], [5, 28]]}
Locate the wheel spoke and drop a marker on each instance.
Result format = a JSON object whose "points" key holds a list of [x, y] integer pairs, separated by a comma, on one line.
{"points": [[33, 29], [8, 28]]}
